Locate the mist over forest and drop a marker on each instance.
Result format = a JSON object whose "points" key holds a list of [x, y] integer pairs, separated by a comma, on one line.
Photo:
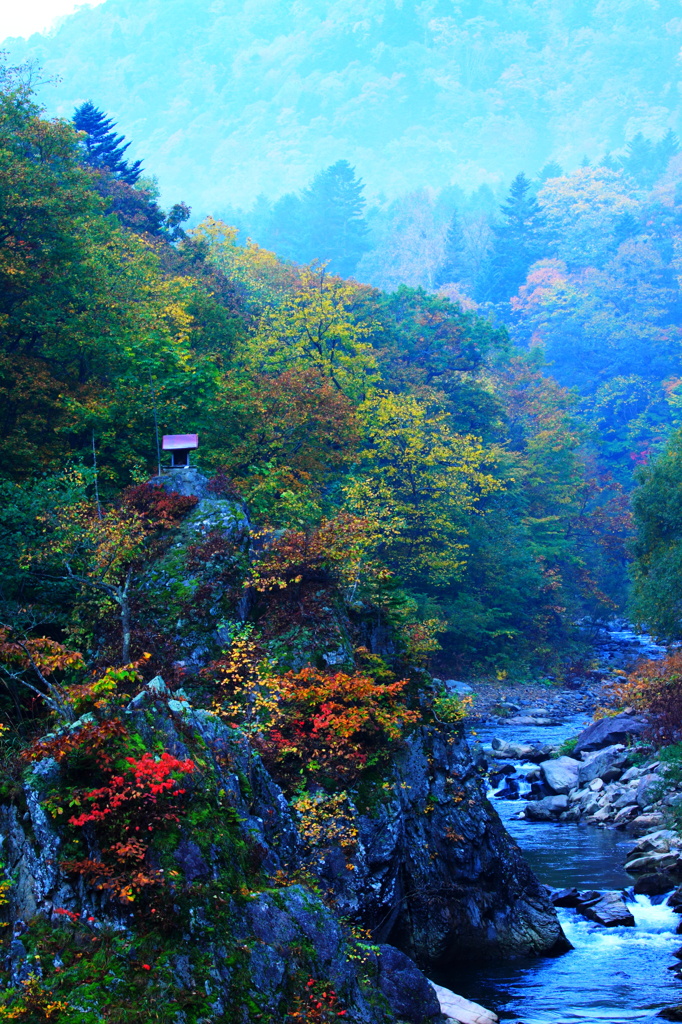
{"points": [[228, 100]]}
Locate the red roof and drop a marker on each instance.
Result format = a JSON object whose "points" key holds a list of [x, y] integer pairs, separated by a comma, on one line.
{"points": [[172, 442]]}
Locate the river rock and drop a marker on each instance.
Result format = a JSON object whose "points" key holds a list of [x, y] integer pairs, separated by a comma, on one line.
{"points": [[625, 815], [462, 1011], [532, 720], [655, 883], [671, 1013], [566, 897], [627, 799], [546, 810], [648, 862], [649, 790], [601, 764], [561, 773], [644, 823], [661, 840], [458, 688], [504, 751], [609, 910], [608, 731], [504, 708]]}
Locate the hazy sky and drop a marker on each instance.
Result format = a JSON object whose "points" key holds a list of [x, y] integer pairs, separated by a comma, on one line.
{"points": [[26, 16]]}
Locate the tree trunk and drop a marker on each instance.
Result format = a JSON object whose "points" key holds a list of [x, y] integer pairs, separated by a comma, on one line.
{"points": [[124, 603]]}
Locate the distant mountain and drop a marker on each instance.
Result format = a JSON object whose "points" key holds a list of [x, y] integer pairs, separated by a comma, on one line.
{"points": [[224, 99]]}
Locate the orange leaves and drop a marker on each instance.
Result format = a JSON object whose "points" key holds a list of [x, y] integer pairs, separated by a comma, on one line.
{"points": [[95, 737], [338, 549], [45, 654], [345, 705], [329, 725], [655, 687]]}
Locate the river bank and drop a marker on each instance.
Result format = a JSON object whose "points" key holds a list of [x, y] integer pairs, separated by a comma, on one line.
{"points": [[619, 974]]}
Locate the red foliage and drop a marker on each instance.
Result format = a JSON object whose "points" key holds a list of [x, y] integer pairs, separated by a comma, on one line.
{"points": [[164, 509], [317, 1004], [136, 793], [223, 485], [655, 687]]}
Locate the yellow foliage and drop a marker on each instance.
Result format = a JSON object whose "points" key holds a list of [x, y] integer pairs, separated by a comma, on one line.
{"points": [[431, 478]]}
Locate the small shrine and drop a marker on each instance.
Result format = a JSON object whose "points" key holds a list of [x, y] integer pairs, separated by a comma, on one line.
{"points": [[180, 445]]}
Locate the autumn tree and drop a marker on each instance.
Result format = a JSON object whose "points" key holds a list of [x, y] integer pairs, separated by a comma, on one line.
{"points": [[318, 325], [428, 478]]}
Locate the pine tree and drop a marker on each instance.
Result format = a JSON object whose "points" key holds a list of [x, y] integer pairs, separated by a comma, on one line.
{"points": [[333, 207], [517, 243], [103, 148], [646, 160]]}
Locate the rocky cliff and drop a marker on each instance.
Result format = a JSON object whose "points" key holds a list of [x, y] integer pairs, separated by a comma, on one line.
{"points": [[430, 870]]}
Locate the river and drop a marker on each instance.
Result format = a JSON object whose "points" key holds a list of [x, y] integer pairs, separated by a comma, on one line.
{"points": [[613, 974]]}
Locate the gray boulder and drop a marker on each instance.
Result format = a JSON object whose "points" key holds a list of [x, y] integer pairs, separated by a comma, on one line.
{"points": [[561, 774], [649, 790], [609, 910], [608, 731], [407, 990], [459, 689], [546, 810], [602, 764], [433, 861], [655, 883]]}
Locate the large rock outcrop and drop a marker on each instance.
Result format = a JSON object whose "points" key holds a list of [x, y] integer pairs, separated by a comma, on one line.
{"points": [[434, 871], [431, 871]]}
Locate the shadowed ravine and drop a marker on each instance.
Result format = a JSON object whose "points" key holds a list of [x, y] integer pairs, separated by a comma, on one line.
{"points": [[616, 974]]}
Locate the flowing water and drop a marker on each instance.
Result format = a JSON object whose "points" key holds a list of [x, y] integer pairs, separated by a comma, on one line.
{"points": [[613, 974]]}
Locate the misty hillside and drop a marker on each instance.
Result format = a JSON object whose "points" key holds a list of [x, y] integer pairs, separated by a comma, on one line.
{"points": [[230, 98]]}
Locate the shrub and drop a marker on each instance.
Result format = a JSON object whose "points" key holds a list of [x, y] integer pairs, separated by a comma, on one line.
{"points": [[451, 708], [655, 687]]}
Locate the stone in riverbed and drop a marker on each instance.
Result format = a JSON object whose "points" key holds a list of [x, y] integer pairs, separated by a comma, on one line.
{"points": [[627, 799], [504, 751], [462, 1011], [608, 731], [603, 762], [547, 809], [530, 720], [561, 773], [671, 1013], [644, 823], [649, 790], [565, 898], [610, 910], [624, 815], [654, 883], [648, 862]]}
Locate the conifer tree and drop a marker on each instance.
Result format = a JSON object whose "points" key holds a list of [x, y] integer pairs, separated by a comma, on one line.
{"points": [[517, 243], [333, 207], [103, 148]]}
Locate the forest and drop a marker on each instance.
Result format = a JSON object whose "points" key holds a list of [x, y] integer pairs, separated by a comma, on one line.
{"points": [[416, 94], [462, 475]]}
